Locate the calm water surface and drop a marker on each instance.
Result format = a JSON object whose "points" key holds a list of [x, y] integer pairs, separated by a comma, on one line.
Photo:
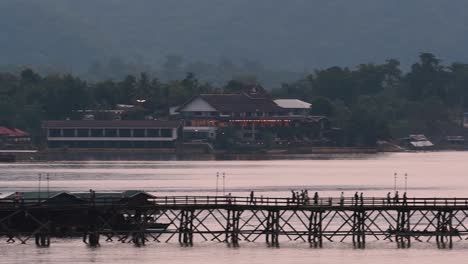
{"points": [[443, 174]]}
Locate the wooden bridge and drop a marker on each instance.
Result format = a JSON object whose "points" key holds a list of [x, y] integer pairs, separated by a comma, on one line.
{"points": [[236, 220]]}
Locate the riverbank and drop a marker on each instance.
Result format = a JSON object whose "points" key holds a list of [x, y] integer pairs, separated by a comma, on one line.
{"points": [[192, 153]]}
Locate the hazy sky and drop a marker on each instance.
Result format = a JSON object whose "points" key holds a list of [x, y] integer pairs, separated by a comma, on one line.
{"points": [[294, 34]]}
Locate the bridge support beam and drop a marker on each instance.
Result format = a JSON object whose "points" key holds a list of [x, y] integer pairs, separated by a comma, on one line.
{"points": [[403, 229], [186, 227], [272, 228], [444, 230], [359, 234], [42, 239], [315, 237], [232, 227]]}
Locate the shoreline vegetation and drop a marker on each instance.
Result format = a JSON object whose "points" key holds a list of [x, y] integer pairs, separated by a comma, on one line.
{"points": [[369, 102]]}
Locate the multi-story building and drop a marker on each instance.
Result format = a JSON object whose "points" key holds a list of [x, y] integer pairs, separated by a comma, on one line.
{"points": [[248, 112], [111, 133]]}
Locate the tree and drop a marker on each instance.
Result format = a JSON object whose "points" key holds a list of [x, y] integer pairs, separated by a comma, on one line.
{"points": [[321, 106], [426, 79]]}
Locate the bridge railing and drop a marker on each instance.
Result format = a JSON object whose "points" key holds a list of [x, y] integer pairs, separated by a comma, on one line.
{"points": [[243, 200], [320, 201]]}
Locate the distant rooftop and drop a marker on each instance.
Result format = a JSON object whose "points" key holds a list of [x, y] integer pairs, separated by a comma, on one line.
{"points": [[110, 124], [12, 132], [237, 103], [292, 103]]}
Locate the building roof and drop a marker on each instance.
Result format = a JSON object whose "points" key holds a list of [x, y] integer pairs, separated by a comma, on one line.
{"points": [[237, 103], [12, 132], [421, 144], [292, 103], [5, 131], [112, 195], [52, 197], [110, 124]]}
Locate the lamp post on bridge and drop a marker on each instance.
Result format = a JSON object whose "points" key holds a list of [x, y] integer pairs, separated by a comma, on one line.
{"points": [[224, 183], [406, 182], [217, 180]]}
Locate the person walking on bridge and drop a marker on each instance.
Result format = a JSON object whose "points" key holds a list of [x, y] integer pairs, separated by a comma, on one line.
{"points": [[252, 197], [396, 198], [316, 197], [356, 199]]}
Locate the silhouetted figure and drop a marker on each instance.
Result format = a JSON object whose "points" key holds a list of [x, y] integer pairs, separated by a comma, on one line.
{"points": [[356, 199], [342, 199], [405, 199], [293, 197], [252, 195], [396, 198], [302, 196], [389, 199], [306, 197], [361, 197], [316, 197]]}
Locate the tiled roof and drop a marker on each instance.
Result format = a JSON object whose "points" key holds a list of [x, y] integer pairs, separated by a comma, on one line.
{"points": [[110, 124], [240, 103], [12, 132], [5, 131]]}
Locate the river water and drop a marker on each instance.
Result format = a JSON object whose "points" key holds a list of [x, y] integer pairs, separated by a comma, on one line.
{"points": [[432, 174]]}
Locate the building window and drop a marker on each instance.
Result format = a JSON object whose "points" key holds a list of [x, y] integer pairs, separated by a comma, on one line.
{"points": [[54, 133], [198, 113], [97, 132], [248, 114], [138, 133], [110, 132], [83, 132], [166, 132], [260, 114], [152, 133], [69, 132], [124, 133], [226, 113]]}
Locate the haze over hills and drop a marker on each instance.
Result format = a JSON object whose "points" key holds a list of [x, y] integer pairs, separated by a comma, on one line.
{"points": [[295, 35]]}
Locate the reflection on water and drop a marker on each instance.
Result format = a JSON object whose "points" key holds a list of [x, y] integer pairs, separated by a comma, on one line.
{"points": [[429, 174]]}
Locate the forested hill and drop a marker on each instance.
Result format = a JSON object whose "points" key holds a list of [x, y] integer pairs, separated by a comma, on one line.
{"points": [[294, 35]]}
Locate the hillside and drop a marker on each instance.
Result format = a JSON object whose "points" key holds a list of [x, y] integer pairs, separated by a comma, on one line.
{"points": [[293, 35]]}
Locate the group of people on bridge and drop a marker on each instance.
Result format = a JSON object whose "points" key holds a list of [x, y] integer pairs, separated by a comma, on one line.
{"points": [[302, 198]]}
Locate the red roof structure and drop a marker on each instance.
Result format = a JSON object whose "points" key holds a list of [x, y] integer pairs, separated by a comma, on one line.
{"points": [[12, 132]]}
